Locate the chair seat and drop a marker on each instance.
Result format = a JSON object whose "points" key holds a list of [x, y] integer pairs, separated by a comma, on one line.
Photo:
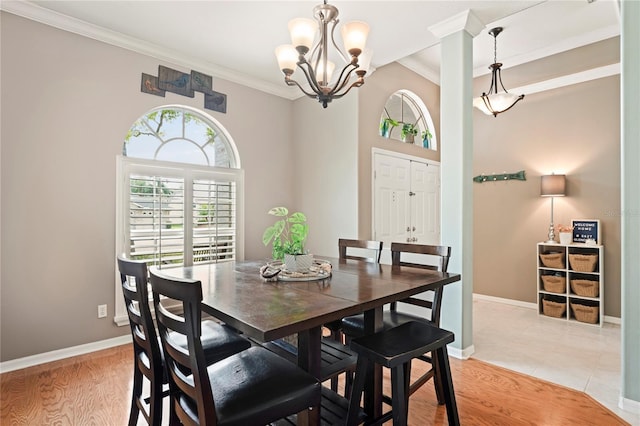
{"points": [[353, 326], [254, 385], [218, 341], [401, 344]]}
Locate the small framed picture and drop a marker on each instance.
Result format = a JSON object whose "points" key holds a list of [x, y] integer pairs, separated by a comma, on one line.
{"points": [[586, 231]]}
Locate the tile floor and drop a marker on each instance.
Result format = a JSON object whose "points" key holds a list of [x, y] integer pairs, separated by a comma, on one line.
{"points": [[575, 355]]}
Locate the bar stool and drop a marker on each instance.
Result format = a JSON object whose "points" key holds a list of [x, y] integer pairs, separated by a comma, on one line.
{"points": [[394, 349]]}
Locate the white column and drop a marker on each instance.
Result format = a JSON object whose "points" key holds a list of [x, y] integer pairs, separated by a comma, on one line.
{"points": [[456, 155], [630, 195]]}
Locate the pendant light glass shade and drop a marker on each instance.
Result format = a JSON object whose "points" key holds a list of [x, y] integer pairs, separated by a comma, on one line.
{"points": [[494, 102]]}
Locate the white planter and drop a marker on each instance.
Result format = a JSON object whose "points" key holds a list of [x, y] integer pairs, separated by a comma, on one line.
{"points": [[298, 263], [565, 237]]}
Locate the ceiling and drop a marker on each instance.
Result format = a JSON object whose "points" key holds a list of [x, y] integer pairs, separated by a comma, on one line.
{"points": [[235, 40]]}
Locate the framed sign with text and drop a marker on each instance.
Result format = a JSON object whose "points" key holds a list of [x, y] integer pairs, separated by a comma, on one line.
{"points": [[586, 229]]}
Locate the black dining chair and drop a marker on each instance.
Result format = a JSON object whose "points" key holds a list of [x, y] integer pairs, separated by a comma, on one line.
{"points": [[218, 342], [394, 349], [252, 387], [435, 258], [361, 250]]}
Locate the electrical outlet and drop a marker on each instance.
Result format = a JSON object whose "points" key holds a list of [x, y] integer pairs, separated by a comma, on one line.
{"points": [[102, 311]]}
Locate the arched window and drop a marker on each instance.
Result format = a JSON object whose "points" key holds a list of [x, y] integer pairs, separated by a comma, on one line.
{"points": [[180, 182], [405, 117], [181, 135]]}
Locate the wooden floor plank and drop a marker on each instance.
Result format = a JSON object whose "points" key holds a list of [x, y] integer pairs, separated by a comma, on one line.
{"points": [[94, 389]]}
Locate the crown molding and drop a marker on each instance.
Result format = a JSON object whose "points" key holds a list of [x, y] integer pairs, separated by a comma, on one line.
{"points": [[466, 20], [54, 19]]}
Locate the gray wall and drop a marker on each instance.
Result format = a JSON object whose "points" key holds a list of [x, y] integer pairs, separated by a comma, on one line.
{"points": [[67, 103]]}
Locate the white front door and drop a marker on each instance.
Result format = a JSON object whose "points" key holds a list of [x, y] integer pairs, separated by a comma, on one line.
{"points": [[406, 200]]}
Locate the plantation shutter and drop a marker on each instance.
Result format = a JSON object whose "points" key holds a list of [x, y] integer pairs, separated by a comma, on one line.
{"points": [[214, 220], [156, 218], [180, 217]]}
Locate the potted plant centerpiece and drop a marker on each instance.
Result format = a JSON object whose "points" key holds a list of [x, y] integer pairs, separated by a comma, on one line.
{"points": [[408, 132], [287, 236]]}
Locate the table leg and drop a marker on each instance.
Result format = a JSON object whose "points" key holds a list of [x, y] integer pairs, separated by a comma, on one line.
{"points": [[373, 382], [309, 359]]}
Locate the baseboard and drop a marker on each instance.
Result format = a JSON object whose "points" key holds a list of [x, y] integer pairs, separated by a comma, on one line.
{"points": [[461, 353], [30, 361], [529, 305], [511, 302], [629, 405], [612, 320]]}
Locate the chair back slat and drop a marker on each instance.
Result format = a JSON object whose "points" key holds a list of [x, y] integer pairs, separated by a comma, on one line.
{"points": [[187, 369], [134, 279], [439, 255], [374, 246]]}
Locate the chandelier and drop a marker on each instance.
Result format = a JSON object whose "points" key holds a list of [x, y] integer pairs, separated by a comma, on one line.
{"points": [[313, 59], [494, 103]]}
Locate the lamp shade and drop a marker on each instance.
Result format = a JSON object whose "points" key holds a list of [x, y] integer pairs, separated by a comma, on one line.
{"points": [[553, 186], [354, 36]]}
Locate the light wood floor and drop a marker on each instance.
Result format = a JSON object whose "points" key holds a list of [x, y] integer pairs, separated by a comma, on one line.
{"points": [[94, 389]]}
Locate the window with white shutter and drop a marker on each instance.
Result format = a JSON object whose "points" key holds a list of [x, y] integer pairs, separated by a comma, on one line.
{"points": [[179, 186]]}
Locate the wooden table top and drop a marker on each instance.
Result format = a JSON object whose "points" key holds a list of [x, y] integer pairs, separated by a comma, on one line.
{"points": [[235, 293]]}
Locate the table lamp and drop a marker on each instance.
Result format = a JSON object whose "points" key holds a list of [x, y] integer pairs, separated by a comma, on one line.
{"points": [[552, 186]]}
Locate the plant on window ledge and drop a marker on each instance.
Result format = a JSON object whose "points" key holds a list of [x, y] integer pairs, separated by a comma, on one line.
{"points": [[386, 126], [426, 138], [408, 132]]}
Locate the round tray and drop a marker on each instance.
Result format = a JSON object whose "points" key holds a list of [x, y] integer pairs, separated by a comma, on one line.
{"points": [[320, 269]]}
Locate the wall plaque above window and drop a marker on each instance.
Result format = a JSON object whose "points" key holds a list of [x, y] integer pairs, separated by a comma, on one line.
{"points": [[185, 84]]}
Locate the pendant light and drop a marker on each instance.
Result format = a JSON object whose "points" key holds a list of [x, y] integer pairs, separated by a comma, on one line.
{"points": [[493, 102]]}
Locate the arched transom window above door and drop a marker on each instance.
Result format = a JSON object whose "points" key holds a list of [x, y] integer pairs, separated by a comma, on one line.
{"points": [[406, 118]]}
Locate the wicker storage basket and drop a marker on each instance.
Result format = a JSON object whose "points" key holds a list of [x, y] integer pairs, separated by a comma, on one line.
{"points": [[553, 309], [554, 284], [583, 262], [586, 288], [584, 313], [553, 260]]}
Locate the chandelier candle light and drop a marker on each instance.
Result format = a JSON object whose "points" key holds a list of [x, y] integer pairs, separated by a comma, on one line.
{"points": [[494, 103], [552, 186], [313, 59]]}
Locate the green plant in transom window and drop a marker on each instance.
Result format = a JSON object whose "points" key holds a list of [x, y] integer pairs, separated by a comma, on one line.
{"points": [[408, 129], [386, 125], [288, 234]]}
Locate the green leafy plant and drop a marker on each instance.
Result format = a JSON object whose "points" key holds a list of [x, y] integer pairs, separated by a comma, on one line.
{"points": [[386, 125], [426, 135], [408, 129], [288, 234]]}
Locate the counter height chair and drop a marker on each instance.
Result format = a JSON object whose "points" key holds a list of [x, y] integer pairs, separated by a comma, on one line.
{"points": [[374, 249], [218, 342], [394, 349], [435, 258], [252, 387], [364, 251]]}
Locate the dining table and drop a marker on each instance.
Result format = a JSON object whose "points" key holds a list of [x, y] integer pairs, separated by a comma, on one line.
{"points": [[267, 310]]}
